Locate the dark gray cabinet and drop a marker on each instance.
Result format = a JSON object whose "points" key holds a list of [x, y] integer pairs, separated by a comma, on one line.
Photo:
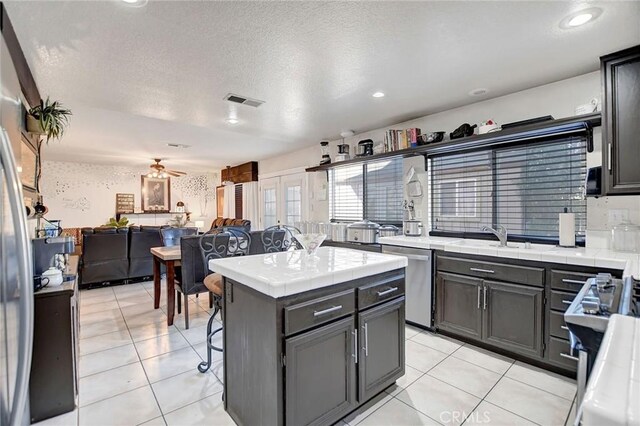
{"points": [[458, 304], [621, 121], [381, 352], [513, 317], [321, 374]]}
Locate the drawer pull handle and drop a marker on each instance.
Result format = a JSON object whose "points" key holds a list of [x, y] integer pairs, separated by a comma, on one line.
{"points": [[567, 356], [568, 281], [385, 292], [567, 302], [486, 271], [327, 311], [564, 327]]}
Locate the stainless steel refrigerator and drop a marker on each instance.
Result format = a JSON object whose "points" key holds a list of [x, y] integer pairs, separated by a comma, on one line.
{"points": [[16, 280]]}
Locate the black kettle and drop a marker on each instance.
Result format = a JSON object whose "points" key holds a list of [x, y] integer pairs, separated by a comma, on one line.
{"points": [[463, 131]]}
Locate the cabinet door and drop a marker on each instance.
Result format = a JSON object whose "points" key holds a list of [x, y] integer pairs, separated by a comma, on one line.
{"points": [[320, 374], [621, 127], [458, 308], [381, 359], [513, 317]]}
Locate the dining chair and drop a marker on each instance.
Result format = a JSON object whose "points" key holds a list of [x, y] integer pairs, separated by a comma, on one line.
{"points": [[171, 236], [217, 244], [280, 238]]}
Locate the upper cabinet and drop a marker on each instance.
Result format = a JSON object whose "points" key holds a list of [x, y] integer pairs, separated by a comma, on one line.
{"points": [[621, 122]]}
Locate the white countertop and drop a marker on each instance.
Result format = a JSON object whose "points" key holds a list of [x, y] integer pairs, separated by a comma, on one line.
{"points": [[286, 273], [602, 258], [613, 390]]}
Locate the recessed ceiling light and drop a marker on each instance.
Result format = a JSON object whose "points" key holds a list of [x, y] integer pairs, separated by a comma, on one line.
{"points": [[135, 3], [479, 91], [580, 17], [378, 95], [232, 120]]}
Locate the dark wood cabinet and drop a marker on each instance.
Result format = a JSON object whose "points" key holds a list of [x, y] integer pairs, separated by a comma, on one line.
{"points": [[381, 352], [513, 317], [247, 172], [321, 374], [458, 304], [621, 121]]}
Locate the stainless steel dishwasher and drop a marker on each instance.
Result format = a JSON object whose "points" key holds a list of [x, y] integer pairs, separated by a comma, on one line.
{"points": [[419, 278]]}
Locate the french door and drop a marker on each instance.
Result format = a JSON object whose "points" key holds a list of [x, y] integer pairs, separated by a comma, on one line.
{"points": [[283, 200]]}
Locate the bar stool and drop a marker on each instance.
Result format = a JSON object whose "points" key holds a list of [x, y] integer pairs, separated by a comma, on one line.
{"points": [[280, 238]]}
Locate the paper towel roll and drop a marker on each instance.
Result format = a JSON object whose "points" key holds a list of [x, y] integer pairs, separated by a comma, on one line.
{"points": [[567, 229]]}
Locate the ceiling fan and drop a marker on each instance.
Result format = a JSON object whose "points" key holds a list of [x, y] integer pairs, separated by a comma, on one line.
{"points": [[159, 171]]}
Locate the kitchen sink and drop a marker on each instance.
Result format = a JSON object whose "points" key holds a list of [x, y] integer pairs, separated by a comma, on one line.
{"points": [[510, 245]]}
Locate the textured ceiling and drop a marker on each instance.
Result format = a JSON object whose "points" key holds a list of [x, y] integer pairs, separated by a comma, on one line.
{"points": [[139, 78]]}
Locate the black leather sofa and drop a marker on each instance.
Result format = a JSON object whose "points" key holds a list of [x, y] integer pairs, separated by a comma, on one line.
{"points": [[141, 239], [105, 255]]}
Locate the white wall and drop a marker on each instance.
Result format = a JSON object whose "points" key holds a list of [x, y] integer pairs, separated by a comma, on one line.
{"points": [[82, 194], [558, 99]]}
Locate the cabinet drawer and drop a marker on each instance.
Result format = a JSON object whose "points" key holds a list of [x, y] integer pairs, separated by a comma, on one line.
{"points": [[494, 271], [560, 300], [556, 324], [568, 281], [318, 311], [379, 291], [558, 348]]}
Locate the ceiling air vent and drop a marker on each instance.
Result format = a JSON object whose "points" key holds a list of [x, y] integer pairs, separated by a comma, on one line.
{"points": [[243, 100]]}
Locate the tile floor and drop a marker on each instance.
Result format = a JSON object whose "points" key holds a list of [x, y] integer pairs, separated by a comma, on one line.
{"points": [[134, 370]]}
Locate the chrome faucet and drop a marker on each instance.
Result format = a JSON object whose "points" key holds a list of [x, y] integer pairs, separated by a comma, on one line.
{"points": [[501, 234]]}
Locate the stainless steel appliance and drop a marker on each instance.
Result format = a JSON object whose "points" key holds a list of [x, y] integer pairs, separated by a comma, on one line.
{"points": [[16, 291], [418, 284], [412, 228], [364, 148], [365, 232], [343, 152], [388, 231], [587, 318], [48, 252], [324, 149], [339, 232]]}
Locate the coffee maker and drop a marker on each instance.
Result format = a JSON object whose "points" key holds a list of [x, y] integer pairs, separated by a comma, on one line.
{"points": [[51, 251]]}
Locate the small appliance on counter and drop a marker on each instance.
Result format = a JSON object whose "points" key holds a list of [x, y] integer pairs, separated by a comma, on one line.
{"points": [[364, 148], [343, 152], [388, 231], [365, 232], [51, 252], [412, 228], [324, 149], [338, 232]]}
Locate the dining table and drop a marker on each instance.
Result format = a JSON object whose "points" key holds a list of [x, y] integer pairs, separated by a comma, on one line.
{"points": [[170, 257]]}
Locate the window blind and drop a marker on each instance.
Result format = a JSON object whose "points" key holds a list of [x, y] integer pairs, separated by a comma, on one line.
{"points": [[523, 188], [373, 191]]}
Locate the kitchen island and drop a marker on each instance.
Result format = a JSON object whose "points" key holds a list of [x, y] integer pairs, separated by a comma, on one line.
{"points": [[309, 339]]}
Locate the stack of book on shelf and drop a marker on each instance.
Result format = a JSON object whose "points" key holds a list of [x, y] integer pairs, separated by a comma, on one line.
{"points": [[401, 139]]}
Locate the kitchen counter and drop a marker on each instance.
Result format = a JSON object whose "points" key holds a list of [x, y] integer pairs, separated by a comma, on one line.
{"points": [[291, 272], [66, 286], [582, 256], [613, 390]]}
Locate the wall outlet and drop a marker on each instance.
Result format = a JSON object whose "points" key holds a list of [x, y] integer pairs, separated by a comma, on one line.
{"points": [[617, 216]]}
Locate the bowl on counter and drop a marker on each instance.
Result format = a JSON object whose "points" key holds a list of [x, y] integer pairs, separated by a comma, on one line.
{"points": [[310, 242]]}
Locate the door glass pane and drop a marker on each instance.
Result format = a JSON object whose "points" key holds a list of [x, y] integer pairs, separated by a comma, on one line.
{"points": [[293, 204], [269, 207]]}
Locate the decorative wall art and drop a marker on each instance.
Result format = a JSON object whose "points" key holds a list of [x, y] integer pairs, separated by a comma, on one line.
{"points": [[156, 194]]}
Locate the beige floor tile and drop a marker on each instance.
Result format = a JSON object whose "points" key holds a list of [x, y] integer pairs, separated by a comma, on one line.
{"points": [[98, 307], [410, 376], [100, 317], [101, 327], [110, 383], [410, 331], [364, 411], [160, 345], [145, 318], [396, 413], [437, 342], [96, 293], [209, 411], [151, 330], [486, 359], [531, 403], [542, 379], [197, 318], [171, 364], [158, 421], [420, 357], [66, 419], [466, 376], [438, 400], [193, 386], [106, 360], [130, 408], [491, 415], [104, 341], [133, 300], [87, 301]]}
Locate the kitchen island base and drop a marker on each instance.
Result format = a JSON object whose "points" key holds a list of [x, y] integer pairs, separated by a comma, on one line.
{"points": [[311, 357]]}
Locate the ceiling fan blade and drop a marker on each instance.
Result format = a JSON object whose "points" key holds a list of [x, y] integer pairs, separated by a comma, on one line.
{"points": [[171, 173], [178, 172]]}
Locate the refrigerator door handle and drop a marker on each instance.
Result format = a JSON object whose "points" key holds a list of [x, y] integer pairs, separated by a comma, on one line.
{"points": [[25, 270]]}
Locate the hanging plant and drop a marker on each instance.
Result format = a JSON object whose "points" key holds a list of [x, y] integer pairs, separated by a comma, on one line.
{"points": [[48, 118]]}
